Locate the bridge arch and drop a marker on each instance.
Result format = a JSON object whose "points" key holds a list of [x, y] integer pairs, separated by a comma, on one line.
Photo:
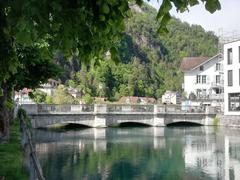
{"points": [[67, 125], [184, 123], [134, 124]]}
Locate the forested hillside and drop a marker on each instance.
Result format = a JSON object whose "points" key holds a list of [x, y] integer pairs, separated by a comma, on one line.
{"points": [[149, 63]]}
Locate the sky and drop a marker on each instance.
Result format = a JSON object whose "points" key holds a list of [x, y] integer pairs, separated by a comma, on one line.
{"points": [[224, 22]]}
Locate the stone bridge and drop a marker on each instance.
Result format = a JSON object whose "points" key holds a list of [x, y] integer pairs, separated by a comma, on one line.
{"points": [[103, 115]]}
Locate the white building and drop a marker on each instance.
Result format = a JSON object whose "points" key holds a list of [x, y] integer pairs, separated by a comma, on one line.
{"points": [[49, 87], [203, 77], [22, 97], [232, 78], [171, 97]]}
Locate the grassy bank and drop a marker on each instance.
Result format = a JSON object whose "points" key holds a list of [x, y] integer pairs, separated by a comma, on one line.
{"points": [[11, 156]]}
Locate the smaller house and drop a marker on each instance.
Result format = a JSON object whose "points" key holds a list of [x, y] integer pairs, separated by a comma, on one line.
{"points": [[22, 97], [74, 92], [49, 87], [171, 97]]}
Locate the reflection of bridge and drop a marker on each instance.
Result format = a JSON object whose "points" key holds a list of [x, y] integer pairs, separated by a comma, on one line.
{"points": [[97, 138], [111, 115]]}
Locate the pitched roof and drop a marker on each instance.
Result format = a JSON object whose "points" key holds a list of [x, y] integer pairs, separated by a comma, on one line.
{"points": [[189, 63], [136, 99], [129, 99], [26, 91]]}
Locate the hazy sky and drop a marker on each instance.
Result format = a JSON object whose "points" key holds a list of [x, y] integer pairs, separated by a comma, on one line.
{"points": [[227, 18]]}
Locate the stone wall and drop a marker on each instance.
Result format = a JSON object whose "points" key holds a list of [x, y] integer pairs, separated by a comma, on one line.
{"points": [[228, 120]]}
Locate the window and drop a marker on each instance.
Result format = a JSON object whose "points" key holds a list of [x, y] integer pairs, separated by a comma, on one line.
{"points": [[199, 93], [234, 101], [218, 66], [198, 79], [229, 56], [201, 68], [204, 77], [217, 79], [230, 78]]}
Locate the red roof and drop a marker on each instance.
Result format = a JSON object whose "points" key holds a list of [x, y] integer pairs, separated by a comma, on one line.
{"points": [[188, 63], [26, 91]]}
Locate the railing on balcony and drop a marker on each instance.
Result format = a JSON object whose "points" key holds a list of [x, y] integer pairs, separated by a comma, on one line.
{"points": [[217, 84], [210, 97]]}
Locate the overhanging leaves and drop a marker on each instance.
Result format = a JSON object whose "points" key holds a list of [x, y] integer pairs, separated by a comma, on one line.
{"points": [[163, 15]]}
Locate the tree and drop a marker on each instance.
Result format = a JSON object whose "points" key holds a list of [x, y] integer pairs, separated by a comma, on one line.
{"points": [[84, 28], [38, 96], [33, 68], [61, 96]]}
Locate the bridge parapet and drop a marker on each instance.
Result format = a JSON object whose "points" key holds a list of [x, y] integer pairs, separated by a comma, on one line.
{"points": [[117, 108], [102, 115], [129, 108]]}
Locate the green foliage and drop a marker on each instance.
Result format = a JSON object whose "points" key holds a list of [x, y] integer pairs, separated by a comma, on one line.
{"points": [[85, 28], [61, 96], [35, 68], [87, 99], [49, 100], [11, 159], [23, 114], [181, 6], [38, 96], [149, 64], [216, 121]]}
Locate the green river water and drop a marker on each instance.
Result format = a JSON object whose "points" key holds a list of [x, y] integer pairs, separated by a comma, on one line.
{"points": [[171, 153]]}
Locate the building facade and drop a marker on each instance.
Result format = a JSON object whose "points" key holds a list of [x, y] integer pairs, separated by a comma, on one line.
{"points": [[49, 87], [232, 78], [203, 77]]}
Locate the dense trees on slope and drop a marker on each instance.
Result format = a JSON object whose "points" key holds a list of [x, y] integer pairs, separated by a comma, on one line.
{"points": [[149, 63]]}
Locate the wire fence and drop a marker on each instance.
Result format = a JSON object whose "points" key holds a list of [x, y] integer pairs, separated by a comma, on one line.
{"points": [[33, 165]]}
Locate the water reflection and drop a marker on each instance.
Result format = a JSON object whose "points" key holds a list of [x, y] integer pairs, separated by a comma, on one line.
{"points": [[140, 153]]}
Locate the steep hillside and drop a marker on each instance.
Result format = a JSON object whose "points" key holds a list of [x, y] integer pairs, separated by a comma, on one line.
{"points": [[149, 63], [141, 39]]}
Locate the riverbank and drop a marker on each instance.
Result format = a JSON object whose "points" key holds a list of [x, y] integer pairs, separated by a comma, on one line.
{"points": [[11, 156]]}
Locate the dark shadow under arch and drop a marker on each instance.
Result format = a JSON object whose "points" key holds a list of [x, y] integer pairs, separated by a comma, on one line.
{"points": [[133, 124], [66, 126], [183, 123]]}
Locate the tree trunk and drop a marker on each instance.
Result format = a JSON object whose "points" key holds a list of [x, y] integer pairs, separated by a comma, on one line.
{"points": [[6, 60], [5, 112]]}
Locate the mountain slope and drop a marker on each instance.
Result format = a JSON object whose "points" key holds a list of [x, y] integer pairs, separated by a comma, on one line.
{"points": [[149, 63]]}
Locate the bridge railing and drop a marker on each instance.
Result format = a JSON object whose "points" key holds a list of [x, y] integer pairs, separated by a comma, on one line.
{"points": [[185, 109], [129, 108], [118, 108], [43, 108]]}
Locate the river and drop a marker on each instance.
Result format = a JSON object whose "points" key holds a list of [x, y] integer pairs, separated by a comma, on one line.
{"points": [[171, 153]]}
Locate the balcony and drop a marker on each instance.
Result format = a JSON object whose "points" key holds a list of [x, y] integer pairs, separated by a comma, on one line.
{"points": [[211, 97], [217, 84]]}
